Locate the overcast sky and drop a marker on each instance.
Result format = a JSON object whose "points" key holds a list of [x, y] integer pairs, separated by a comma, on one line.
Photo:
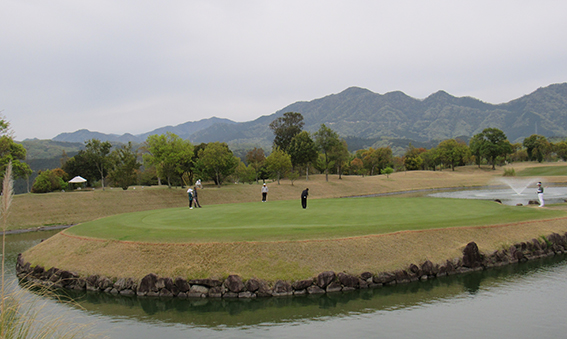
{"points": [[133, 66]]}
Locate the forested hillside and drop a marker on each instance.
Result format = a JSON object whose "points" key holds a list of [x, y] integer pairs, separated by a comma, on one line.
{"points": [[372, 118]]}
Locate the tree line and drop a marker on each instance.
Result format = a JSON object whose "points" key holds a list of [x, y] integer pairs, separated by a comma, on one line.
{"points": [[169, 159]]}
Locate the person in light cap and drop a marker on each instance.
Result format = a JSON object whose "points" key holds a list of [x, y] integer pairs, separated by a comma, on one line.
{"points": [[264, 192], [540, 194]]}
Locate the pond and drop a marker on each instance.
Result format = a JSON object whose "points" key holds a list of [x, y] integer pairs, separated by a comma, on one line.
{"points": [[523, 300]]}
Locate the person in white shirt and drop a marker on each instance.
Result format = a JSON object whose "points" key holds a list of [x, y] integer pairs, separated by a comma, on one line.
{"points": [[264, 192], [540, 194]]}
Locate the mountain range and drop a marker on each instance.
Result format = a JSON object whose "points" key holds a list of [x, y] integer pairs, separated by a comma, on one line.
{"points": [[371, 119]]}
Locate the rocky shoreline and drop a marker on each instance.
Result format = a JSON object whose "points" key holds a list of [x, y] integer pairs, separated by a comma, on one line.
{"points": [[326, 282]]}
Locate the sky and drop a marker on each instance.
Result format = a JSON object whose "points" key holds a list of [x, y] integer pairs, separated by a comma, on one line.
{"points": [[133, 66]]}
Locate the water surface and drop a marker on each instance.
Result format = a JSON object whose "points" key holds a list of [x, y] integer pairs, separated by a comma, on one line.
{"points": [[523, 301]]}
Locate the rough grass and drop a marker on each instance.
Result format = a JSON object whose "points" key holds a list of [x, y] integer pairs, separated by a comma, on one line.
{"points": [[289, 260]]}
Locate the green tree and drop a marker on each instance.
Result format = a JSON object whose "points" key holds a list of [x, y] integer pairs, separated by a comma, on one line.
{"points": [[340, 155], [124, 162], [537, 147], [326, 139], [561, 149], [490, 144], [453, 152], [216, 161], [12, 151], [412, 158], [431, 158], [97, 152], [170, 154], [387, 171], [49, 181], [244, 173], [356, 166], [285, 128], [256, 159], [303, 151], [81, 165], [278, 163], [376, 159]]}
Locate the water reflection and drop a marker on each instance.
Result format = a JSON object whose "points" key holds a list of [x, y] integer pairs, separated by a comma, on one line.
{"points": [[237, 313], [445, 307]]}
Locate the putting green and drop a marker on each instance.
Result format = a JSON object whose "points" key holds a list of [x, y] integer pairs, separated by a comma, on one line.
{"points": [[286, 220]]}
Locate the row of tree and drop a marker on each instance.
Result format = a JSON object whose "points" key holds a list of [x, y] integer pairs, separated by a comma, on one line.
{"points": [[178, 162]]}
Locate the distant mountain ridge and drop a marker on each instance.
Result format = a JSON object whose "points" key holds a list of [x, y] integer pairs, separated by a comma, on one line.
{"points": [[362, 114], [184, 130]]}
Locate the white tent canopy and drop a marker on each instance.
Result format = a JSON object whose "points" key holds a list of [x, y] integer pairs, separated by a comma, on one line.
{"points": [[77, 180]]}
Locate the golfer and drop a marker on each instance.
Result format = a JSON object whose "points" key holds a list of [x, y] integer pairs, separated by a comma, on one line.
{"points": [[540, 194], [304, 195], [190, 195], [264, 192], [195, 198]]}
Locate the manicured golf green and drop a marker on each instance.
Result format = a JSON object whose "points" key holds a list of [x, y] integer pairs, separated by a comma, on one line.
{"points": [[286, 220]]}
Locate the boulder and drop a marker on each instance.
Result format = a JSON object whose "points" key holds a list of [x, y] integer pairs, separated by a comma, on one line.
{"points": [[252, 285], [92, 283], [402, 277], [325, 278], [366, 275], [264, 290], [234, 283], [199, 289], [246, 295], [38, 271], [383, 278], [333, 287], [147, 284], [302, 284], [104, 283], [414, 269], [314, 289], [160, 283], [215, 292], [471, 256], [281, 288], [182, 285], [348, 280], [206, 282], [428, 268]]}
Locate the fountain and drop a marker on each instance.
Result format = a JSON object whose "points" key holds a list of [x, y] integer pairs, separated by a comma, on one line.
{"points": [[517, 191], [517, 184]]}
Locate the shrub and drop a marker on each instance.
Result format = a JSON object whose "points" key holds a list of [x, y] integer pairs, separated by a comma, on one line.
{"points": [[509, 172], [49, 181]]}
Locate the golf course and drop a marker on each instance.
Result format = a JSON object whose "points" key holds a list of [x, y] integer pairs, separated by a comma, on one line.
{"points": [[280, 240]]}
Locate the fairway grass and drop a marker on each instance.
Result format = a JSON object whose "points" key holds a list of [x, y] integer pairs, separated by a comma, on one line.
{"points": [[287, 221], [543, 171]]}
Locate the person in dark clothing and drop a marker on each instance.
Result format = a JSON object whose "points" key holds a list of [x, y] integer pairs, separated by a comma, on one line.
{"points": [[195, 200], [190, 195], [304, 195]]}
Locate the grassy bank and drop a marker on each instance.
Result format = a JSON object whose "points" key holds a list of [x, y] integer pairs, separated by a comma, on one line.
{"points": [[289, 260]]}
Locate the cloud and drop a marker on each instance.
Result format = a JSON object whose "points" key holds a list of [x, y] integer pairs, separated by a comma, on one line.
{"points": [[132, 66]]}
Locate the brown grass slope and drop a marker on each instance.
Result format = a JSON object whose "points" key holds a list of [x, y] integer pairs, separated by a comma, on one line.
{"points": [[281, 260]]}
